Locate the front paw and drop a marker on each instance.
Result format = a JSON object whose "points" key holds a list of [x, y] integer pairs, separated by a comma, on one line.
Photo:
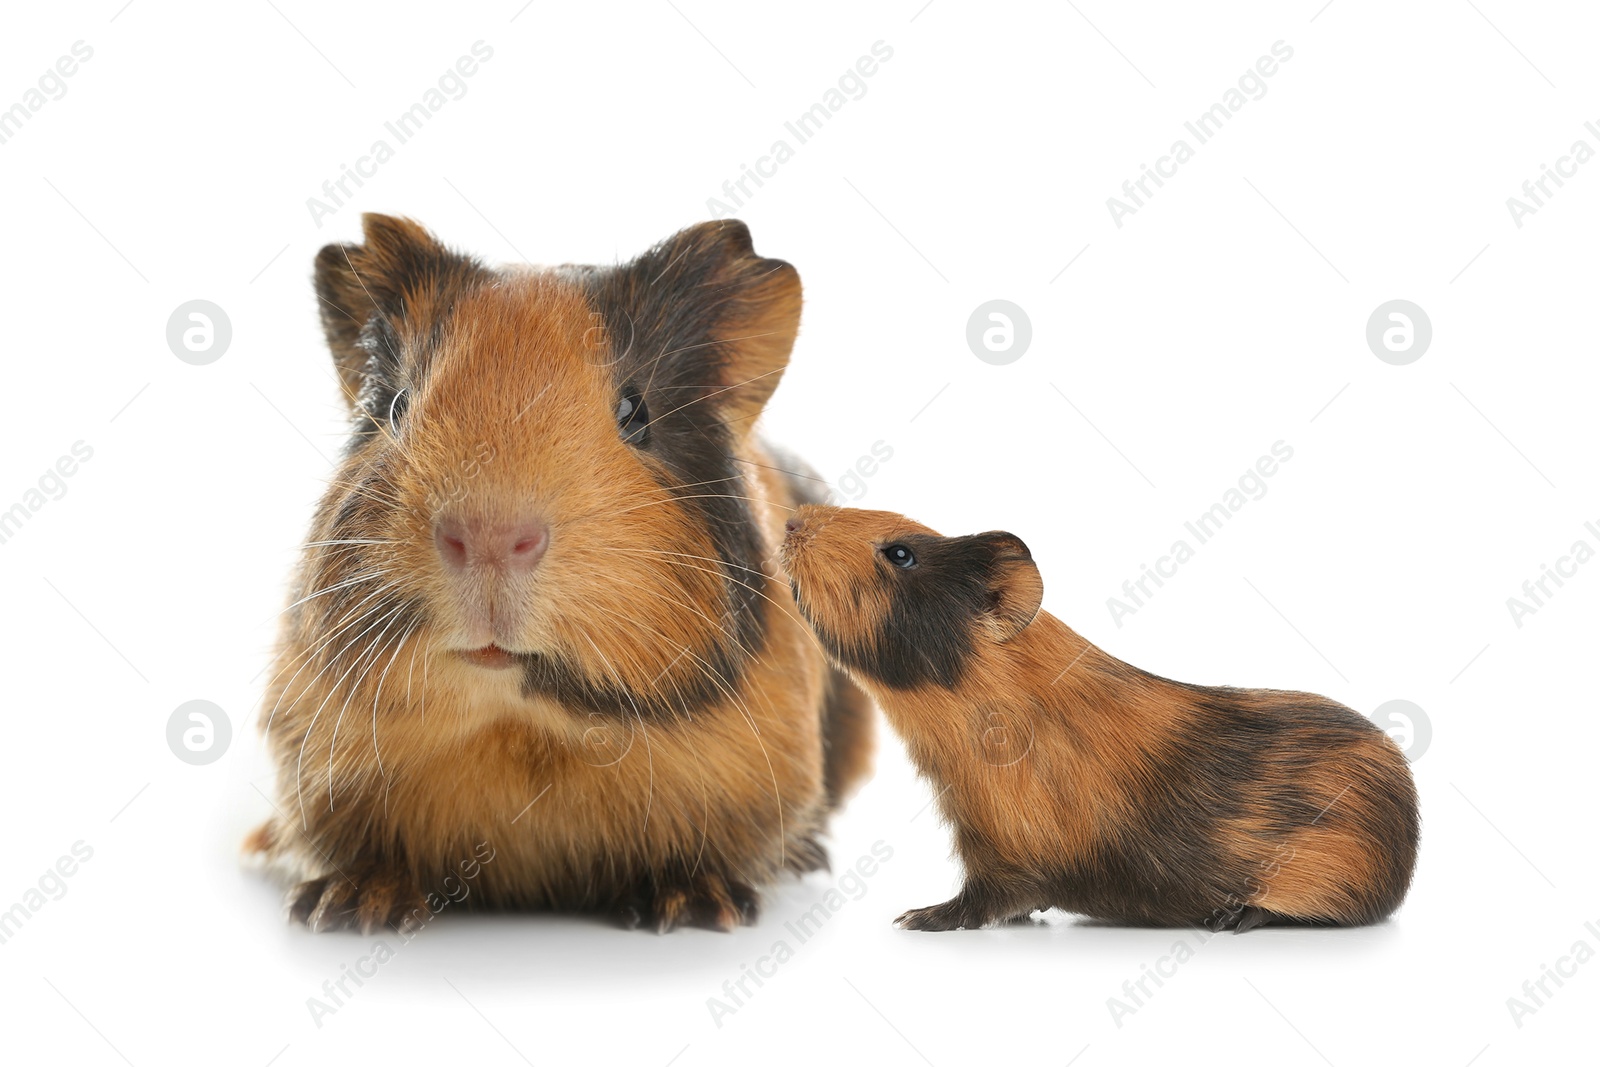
{"points": [[709, 902], [951, 915], [368, 902]]}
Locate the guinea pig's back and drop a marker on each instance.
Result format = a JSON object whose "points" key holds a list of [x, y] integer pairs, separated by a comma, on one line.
{"points": [[1327, 824]]}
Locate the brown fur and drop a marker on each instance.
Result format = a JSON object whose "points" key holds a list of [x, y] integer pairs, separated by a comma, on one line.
{"points": [[1074, 780], [671, 738]]}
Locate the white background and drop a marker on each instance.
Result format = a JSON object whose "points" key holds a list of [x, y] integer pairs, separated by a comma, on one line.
{"points": [[1227, 314]]}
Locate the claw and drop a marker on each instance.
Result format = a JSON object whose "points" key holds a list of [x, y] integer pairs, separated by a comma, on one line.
{"points": [[303, 899], [335, 902], [709, 902], [1252, 918], [938, 917], [747, 901], [1241, 918]]}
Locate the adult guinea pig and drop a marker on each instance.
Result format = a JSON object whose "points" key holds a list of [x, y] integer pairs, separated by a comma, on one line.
{"points": [[1074, 780], [539, 655]]}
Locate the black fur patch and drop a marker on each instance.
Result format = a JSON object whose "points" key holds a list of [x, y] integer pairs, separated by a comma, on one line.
{"points": [[663, 313], [926, 637], [707, 676], [383, 323], [384, 378], [1170, 865]]}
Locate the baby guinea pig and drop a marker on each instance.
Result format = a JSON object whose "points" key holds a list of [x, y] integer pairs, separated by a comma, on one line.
{"points": [[1076, 781]]}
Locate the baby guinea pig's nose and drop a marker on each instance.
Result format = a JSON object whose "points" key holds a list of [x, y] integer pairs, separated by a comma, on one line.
{"points": [[517, 545], [794, 525]]}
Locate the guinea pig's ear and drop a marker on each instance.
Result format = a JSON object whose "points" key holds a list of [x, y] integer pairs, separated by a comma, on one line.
{"points": [[400, 272], [1015, 588], [730, 316]]}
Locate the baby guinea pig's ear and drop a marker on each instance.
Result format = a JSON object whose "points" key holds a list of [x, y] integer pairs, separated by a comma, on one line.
{"points": [[1015, 588], [727, 316], [400, 273]]}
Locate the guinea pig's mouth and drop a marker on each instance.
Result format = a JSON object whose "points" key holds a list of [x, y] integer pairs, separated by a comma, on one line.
{"points": [[490, 656]]}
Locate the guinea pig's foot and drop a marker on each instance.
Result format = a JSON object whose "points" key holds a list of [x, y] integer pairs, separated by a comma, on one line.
{"points": [[954, 914], [1252, 918], [1240, 919], [806, 854], [262, 841], [368, 903], [709, 902]]}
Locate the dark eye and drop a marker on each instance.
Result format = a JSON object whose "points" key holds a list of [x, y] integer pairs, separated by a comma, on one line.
{"points": [[900, 556], [633, 418]]}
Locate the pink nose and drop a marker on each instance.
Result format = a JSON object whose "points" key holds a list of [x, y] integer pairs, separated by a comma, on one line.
{"points": [[508, 546]]}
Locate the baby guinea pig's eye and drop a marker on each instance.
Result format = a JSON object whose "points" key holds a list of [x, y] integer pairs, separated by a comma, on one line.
{"points": [[900, 556], [633, 418]]}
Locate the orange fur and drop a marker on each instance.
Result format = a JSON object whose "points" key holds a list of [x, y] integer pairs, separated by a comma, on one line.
{"points": [[1075, 780], [398, 757]]}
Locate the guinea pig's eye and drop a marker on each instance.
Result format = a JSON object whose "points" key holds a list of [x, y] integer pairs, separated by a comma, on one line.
{"points": [[633, 418], [900, 556]]}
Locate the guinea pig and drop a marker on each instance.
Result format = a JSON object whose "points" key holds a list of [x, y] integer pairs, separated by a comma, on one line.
{"points": [[538, 618], [1073, 780]]}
